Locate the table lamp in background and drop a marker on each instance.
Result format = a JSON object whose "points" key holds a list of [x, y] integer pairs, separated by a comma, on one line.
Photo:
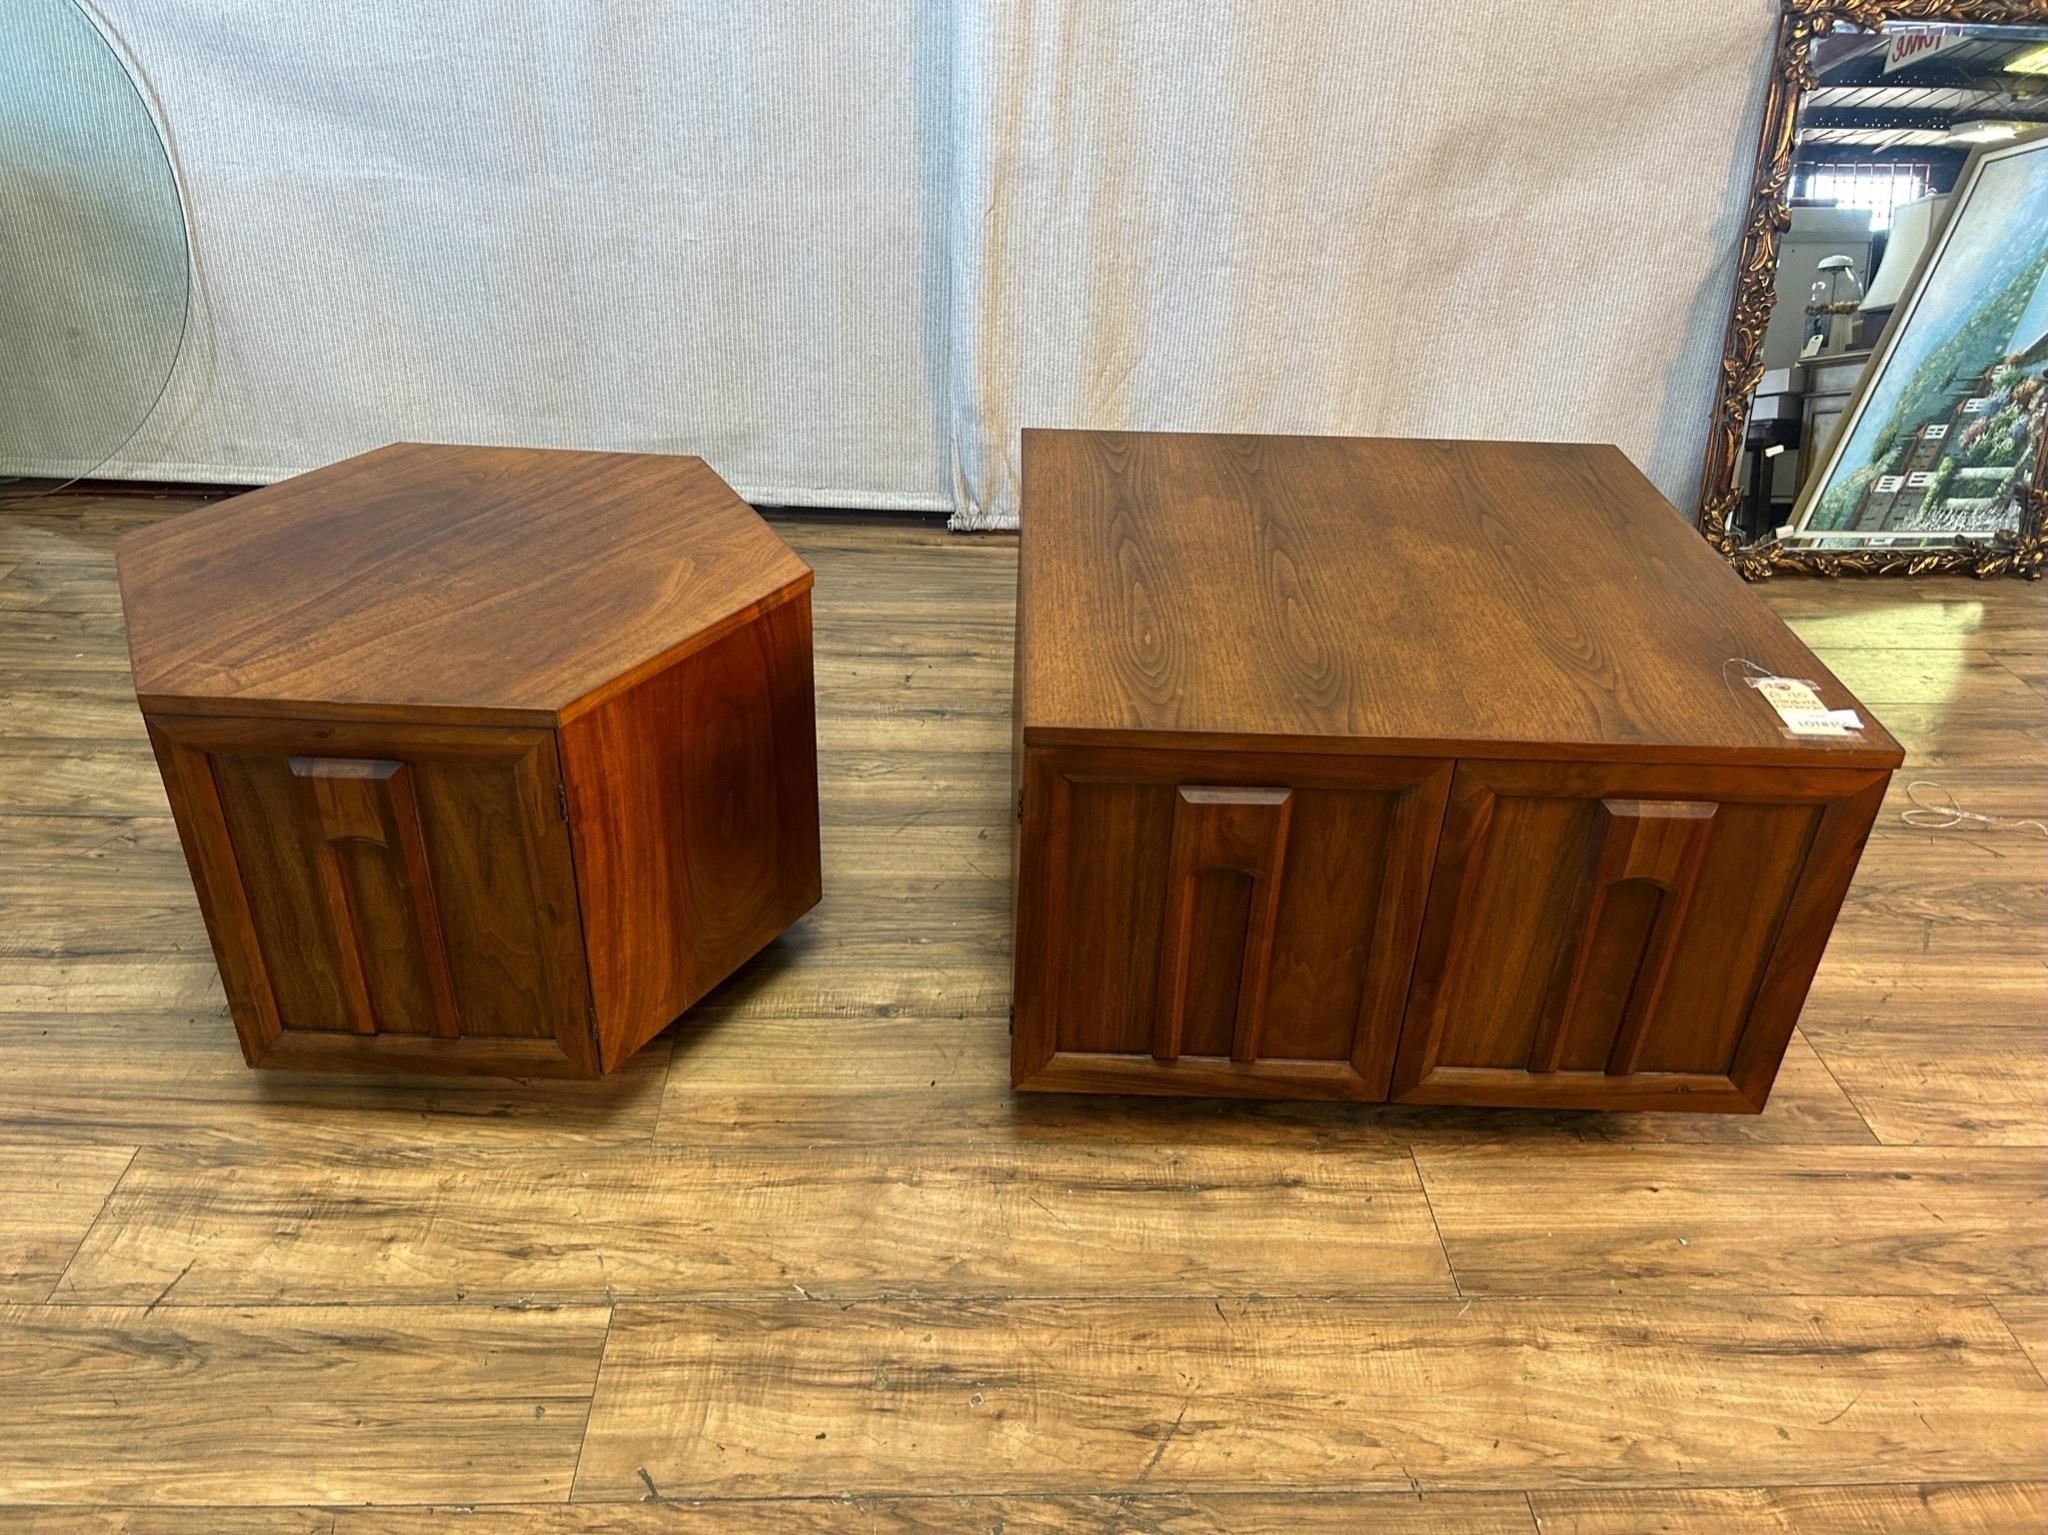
{"points": [[1830, 311]]}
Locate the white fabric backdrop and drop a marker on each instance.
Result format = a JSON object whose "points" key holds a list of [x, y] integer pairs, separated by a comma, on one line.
{"points": [[847, 251], [705, 226], [1399, 219]]}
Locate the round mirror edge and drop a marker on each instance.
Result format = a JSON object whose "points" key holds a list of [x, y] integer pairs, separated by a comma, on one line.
{"points": [[128, 101]]}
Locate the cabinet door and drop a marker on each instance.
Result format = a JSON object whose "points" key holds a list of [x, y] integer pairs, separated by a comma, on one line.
{"points": [[1201, 924], [382, 894], [1607, 937]]}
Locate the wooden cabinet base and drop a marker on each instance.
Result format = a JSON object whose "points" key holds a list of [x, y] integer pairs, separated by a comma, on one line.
{"points": [[1289, 829], [580, 794]]}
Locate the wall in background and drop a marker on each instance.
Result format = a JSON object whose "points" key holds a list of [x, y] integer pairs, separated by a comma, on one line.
{"points": [[846, 252]]}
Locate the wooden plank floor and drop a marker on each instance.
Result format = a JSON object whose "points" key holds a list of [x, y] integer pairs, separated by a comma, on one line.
{"points": [[807, 1265]]}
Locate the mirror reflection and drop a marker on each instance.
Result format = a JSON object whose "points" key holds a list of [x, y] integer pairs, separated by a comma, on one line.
{"points": [[93, 269], [1902, 398]]}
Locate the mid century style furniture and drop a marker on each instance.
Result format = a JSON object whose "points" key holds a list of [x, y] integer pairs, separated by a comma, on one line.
{"points": [[1412, 770], [484, 759]]}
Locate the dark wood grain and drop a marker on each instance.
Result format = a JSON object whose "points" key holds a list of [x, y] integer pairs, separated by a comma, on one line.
{"points": [[1523, 995], [331, 967], [379, 691], [1639, 868], [1647, 852], [353, 805], [693, 801], [1293, 988], [1363, 594], [1223, 901], [465, 584]]}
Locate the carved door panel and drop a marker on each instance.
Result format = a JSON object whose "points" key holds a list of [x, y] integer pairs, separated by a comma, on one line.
{"points": [[1609, 937], [386, 887], [1199, 923]]}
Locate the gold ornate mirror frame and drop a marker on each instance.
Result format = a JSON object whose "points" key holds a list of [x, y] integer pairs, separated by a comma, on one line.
{"points": [[2024, 552]]}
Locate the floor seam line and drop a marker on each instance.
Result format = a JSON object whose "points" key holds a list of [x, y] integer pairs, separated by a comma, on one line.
{"points": [[91, 1226], [1847, 1097], [1434, 1224], [2018, 1342], [590, 1410]]}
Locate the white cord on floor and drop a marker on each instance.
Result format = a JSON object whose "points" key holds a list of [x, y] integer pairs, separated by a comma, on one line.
{"points": [[1928, 817], [1941, 817]]}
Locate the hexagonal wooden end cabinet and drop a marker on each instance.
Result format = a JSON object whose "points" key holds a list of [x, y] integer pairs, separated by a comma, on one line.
{"points": [[484, 759]]}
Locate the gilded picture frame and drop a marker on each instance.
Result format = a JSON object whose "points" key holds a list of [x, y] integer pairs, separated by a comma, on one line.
{"points": [[2024, 551]]}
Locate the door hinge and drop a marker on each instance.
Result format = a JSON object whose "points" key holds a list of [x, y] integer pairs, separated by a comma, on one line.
{"points": [[1020, 807], [562, 801]]}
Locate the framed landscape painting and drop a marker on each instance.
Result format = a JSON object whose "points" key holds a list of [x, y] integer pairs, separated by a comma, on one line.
{"points": [[1941, 445]]}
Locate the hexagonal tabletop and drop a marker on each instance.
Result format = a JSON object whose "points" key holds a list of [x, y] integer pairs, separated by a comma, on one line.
{"points": [[466, 584]]}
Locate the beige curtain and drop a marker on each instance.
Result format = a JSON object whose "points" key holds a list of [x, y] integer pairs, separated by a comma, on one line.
{"points": [[705, 226], [846, 251], [1401, 218]]}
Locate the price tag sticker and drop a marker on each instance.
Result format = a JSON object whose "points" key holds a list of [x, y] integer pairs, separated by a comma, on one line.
{"points": [[1801, 711]]}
